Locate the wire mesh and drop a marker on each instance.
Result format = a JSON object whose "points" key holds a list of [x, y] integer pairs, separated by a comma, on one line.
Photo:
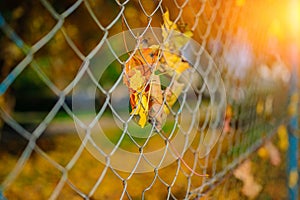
{"points": [[67, 61]]}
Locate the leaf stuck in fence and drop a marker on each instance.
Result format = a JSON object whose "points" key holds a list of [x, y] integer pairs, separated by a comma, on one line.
{"points": [[143, 71]]}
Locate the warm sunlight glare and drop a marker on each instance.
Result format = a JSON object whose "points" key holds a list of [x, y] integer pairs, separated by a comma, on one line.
{"points": [[294, 17]]}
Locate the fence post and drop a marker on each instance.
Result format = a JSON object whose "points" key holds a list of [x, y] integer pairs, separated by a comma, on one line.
{"points": [[1, 196], [293, 110], [292, 164], [293, 129]]}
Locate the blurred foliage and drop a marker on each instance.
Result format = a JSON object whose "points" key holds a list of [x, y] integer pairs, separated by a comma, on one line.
{"points": [[57, 60], [39, 178], [32, 21]]}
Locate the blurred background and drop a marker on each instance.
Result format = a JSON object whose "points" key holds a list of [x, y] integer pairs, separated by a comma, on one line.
{"points": [[254, 44]]}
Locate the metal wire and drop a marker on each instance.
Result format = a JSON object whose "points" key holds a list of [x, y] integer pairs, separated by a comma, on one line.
{"points": [[216, 26]]}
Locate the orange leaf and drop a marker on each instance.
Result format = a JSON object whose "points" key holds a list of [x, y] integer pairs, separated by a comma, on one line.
{"points": [[146, 94], [137, 75]]}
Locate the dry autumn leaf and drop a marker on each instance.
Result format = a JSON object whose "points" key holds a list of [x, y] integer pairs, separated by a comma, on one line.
{"points": [[137, 77], [173, 62], [142, 73], [174, 39], [250, 187]]}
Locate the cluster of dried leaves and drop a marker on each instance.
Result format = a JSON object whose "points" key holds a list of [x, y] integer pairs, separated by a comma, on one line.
{"points": [[149, 100]]}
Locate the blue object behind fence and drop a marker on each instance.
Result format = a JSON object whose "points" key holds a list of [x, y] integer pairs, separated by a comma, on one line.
{"points": [[293, 127], [2, 197]]}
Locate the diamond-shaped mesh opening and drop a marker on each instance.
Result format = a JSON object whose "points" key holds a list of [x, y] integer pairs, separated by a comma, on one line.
{"points": [[66, 61], [11, 56], [81, 21], [35, 186], [60, 7], [31, 31]]}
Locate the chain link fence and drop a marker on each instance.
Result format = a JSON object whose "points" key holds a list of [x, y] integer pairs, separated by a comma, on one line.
{"points": [[137, 99]]}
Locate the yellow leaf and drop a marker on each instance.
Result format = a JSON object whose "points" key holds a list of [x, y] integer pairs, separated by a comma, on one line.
{"points": [[283, 142], [293, 178], [168, 25], [263, 153], [181, 67], [173, 38], [137, 81], [260, 107], [172, 94], [229, 111], [292, 108], [179, 40], [141, 108], [174, 62]]}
